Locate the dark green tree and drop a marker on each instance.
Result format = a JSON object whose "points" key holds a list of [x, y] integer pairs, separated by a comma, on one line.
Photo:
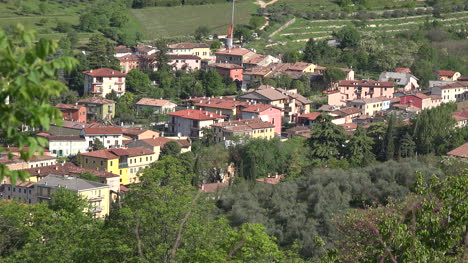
{"points": [[101, 53], [407, 146], [138, 82], [359, 149], [98, 145], [201, 32], [333, 75], [388, 148], [171, 148], [348, 37]]}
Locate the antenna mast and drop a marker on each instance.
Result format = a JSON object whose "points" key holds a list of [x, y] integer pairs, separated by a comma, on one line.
{"points": [[231, 29]]}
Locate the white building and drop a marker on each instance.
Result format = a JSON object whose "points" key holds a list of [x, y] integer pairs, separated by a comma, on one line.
{"points": [[67, 145], [454, 92], [111, 137], [405, 81], [103, 81], [190, 122]]}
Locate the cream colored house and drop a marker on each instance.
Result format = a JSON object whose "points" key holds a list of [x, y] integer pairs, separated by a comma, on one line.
{"points": [[254, 128], [98, 194], [454, 92], [103, 81], [201, 50], [367, 106], [447, 75]]}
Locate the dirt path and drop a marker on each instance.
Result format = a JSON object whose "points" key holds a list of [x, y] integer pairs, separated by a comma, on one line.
{"points": [[264, 5]]}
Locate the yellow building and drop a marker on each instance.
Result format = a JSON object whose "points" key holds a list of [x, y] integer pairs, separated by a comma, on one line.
{"points": [[201, 50], [98, 194], [124, 162], [254, 128], [367, 106]]}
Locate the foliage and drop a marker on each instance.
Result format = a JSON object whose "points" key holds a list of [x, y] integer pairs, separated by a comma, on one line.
{"points": [[256, 22], [201, 32], [101, 53], [359, 149], [429, 226], [89, 176], [333, 75], [138, 82], [171, 148], [98, 145], [28, 78], [348, 37]]}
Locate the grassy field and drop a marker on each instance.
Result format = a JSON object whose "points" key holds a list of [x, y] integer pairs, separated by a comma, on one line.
{"points": [[183, 20]]}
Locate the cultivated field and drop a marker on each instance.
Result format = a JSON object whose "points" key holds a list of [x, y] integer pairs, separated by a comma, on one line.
{"points": [[183, 20]]}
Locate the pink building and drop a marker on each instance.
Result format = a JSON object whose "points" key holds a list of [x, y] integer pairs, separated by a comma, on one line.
{"points": [[265, 112], [234, 71], [421, 101], [359, 89], [184, 62]]}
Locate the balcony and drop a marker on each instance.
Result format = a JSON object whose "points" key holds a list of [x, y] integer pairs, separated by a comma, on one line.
{"points": [[96, 198], [96, 209], [123, 165]]}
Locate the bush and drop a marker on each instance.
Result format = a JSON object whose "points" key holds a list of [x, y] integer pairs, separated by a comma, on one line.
{"points": [[64, 27]]}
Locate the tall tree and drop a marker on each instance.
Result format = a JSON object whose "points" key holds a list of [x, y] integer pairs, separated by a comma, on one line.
{"points": [[388, 148], [326, 141], [359, 149], [28, 80], [348, 37], [101, 53], [407, 146], [138, 82], [171, 148]]}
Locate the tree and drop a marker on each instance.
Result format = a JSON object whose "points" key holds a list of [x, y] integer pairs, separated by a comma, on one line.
{"points": [[213, 83], [256, 22], [201, 32], [98, 145], [407, 146], [348, 37], [389, 140], [428, 226], [138, 82], [67, 201], [311, 54], [28, 81], [327, 140], [171, 148], [215, 45], [359, 149], [101, 53], [209, 137], [291, 56], [89, 176], [243, 33], [333, 75]]}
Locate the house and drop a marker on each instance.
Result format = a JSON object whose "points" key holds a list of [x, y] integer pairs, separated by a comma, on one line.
{"points": [[346, 115], [461, 117], [289, 101], [184, 62], [359, 89], [259, 60], [201, 50], [122, 50], [307, 119], [66, 145], [349, 128], [68, 168], [190, 122], [234, 56], [446, 75], [103, 81], [213, 187], [461, 152], [140, 62], [404, 81], [156, 106], [124, 162], [139, 133], [223, 106], [402, 70], [111, 137], [385, 103], [145, 50], [97, 194], [16, 163], [156, 144], [368, 106], [271, 179], [22, 192], [420, 101], [454, 92], [253, 128], [73, 112], [234, 71], [301, 131], [264, 112], [69, 128], [98, 108]]}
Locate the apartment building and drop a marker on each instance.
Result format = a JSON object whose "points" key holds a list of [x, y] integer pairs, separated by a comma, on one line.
{"points": [[99, 109], [453, 92], [368, 106], [73, 112], [103, 81], [254, 128], [349, 90], [190, 122], [67, 145], [157, 106], [201, 50], [110, 136]]}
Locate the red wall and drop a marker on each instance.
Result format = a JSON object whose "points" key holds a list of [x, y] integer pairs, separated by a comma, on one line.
{"points": [[411, 100]]}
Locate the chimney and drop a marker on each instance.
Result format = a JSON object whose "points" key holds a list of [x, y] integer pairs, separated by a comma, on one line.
{"points": [[91, 71], [38, 171]]}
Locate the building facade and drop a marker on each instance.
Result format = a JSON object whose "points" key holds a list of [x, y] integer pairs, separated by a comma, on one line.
{"points": [[190, 122], [67, 145], [454, 92], [103, 81], [349, 90], [201, 50], [99, 109], [111, 137], [73, 112]]}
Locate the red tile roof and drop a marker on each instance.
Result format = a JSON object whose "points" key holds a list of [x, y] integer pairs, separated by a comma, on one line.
{"points": [[347, 111], [213, 187], [257, 107], [446, 73], [66, 169], [65, 138], [461, 115], [234, 52], [311, 116], [271, 180], [461, 151], [403, 70], [103, 130], [122, 49], [460, 84], [155, 102], [244, 125], [135, 131], [104, 72], [188, 45], [225, 66], [161, 141], [217, 103], [115, 153], [69, 106], [95, 100], [196, 115]]}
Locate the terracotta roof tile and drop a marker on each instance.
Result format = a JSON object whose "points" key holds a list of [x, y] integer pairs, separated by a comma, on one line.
{"points": [[104, 72], [234, 52], [69, 106], [96, 100], [259, 107], [310, 116], [446, 73], [66, 169], [213, 187], [226, 66], [365, 83], [217, 103], [461, 151], [156, 102], [196, 115], [103, 130]]}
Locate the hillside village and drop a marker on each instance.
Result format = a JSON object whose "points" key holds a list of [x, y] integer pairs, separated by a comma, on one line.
{"points": [[327, 131]]}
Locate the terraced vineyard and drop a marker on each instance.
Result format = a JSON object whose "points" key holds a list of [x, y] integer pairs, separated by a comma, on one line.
{"points": [[303, 29]]}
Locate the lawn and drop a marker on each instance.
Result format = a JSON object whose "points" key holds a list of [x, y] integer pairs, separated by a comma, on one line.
{"points": [[183, 20]]}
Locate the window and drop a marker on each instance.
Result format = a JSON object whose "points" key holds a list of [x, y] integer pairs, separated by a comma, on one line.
{"points": [[141, 159], [131, 161], [14, 189], [111, 163], [120, 172], [86, 160], [24, 191], [146, 158], [151, 158]]}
